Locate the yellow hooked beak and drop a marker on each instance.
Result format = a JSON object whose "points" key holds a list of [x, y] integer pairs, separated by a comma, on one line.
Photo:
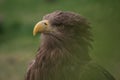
{"points": [[40, 27]]}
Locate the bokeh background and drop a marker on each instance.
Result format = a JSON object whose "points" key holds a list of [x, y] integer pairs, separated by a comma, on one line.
{"points": [[18, 46]]}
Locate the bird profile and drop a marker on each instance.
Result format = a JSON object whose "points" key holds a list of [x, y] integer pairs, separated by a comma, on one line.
{"points": [[64, 50]]}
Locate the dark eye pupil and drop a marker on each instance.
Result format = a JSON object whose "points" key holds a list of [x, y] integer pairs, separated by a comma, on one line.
{"points": [[45, 23]]}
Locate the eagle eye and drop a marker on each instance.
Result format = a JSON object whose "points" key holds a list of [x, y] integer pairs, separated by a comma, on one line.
{"points": [[45, 23]]}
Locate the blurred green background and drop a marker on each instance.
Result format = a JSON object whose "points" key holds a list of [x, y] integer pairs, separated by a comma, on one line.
{"points": [[18, 17]]}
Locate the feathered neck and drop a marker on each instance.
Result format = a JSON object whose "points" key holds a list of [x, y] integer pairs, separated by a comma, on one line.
{"points": [[57, 47], [58, 53]]}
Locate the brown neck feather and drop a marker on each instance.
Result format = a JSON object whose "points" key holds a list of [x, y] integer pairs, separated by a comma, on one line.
{"points": [[55, 53]]}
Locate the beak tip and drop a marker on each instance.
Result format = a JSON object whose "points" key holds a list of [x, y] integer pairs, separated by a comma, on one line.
{"points": [[34, 33]]}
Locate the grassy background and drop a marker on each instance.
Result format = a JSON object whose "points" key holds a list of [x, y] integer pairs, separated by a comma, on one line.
{"points": [[18, 46]]}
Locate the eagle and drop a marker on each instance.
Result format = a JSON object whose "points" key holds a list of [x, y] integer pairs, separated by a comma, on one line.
{"points": [[65, 41]]}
